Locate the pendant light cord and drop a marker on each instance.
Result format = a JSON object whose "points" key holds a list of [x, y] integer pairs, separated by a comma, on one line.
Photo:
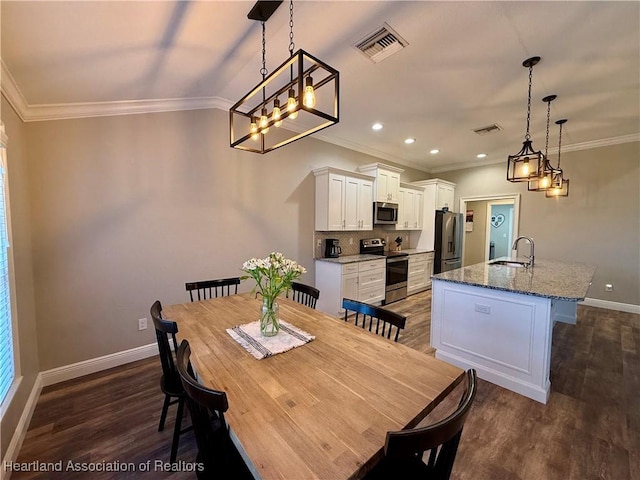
{"points": [[559, 146], [263, 70], [291, 44], [527, 136], [546, 144]]}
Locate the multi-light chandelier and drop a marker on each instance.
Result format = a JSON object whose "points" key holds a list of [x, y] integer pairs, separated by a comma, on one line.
{"points": [[310, 87], [531, 166]]}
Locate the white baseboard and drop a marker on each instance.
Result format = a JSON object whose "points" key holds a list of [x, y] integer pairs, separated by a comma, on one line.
{"points": [[75, 370], [22, 427], [621, 307]]}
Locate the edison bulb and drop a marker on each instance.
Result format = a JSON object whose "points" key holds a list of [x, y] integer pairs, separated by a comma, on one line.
{"points": [[264, 122], [276, 115], [544, 183], [292, 105], [253, 129], [309, 97], [525, 168]]}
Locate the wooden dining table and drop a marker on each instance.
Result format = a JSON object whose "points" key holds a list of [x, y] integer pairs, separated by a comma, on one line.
{"points": [[318, 411]]}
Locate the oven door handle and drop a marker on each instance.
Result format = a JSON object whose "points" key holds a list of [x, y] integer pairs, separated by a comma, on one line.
{"points": [[396, 260]]}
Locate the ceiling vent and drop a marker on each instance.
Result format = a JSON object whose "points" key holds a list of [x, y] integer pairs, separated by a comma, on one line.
{"points": [[381, 44], [489, 129]]}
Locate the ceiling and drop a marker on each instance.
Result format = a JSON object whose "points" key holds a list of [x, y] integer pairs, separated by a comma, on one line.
{"points": [[461, 70]]}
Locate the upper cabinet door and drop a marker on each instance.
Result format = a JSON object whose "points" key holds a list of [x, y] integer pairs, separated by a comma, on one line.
{"points": [[337, 192], [344, 200], [365, 205], [386, 186], [351, 200]]}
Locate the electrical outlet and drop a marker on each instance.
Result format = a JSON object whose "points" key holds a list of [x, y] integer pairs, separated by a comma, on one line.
{"points": [[142, 324], [608, 287], [351, 241], [483, 308], [319, 244]]}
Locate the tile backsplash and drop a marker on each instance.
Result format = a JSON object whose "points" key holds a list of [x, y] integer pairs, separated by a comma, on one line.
{"points": [[350, 241]]}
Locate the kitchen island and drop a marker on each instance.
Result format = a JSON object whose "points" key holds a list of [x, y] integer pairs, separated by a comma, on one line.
{"points": [[499, 319]]}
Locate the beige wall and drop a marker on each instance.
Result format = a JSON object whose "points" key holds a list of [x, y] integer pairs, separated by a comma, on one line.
{"points": [[25, 307], [598, 223], [474, 241]]}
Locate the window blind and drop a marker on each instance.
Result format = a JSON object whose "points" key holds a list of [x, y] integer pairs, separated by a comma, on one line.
{"points": [[7, 368]]}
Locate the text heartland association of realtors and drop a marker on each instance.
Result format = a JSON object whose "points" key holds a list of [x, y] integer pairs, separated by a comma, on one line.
{"points": [[115, 466]]}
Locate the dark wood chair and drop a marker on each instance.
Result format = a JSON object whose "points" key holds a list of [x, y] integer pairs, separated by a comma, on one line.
{"points": [[304, 294], [216, 452], [170, 381], [212, 288], [365, 313], [404, 449]]}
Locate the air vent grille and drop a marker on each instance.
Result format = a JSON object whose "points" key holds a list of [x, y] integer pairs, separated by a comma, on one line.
{"points": [[488, 129], [381, 44]]}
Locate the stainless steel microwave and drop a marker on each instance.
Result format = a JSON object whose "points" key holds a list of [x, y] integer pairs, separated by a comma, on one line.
{"points": [[385, 213]]}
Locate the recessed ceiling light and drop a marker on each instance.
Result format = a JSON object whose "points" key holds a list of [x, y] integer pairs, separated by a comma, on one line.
{"points": [[481, 155], [376, 126], [434, 151], [409, 141]]}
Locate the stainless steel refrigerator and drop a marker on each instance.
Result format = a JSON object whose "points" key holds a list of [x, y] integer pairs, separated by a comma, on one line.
{"points": [[448, 241]]}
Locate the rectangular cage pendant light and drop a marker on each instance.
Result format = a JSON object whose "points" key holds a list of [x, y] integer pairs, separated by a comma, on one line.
{"points": [[280, 110], [561, 191]]}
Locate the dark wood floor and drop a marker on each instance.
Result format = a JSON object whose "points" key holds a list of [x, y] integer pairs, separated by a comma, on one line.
{"points": [[590, 429]]}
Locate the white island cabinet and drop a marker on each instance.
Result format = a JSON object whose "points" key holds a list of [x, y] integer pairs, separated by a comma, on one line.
{"points": [[499, 319]]}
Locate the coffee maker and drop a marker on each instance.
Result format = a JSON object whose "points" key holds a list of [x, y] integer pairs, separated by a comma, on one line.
{"points": [[332, 248]]}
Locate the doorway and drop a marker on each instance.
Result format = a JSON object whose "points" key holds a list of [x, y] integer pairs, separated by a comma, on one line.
{"points": [[499, 229], [491, 226]]}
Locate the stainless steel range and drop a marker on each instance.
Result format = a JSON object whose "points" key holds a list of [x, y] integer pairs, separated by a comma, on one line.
{"points": [[397, 268]]}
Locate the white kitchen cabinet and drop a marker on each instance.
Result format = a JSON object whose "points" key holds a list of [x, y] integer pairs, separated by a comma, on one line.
{"points": [[344, 200], [386, 187], [429, 268], [445, 196], [363, 281], [410, 208], [437, 195], [418, 278]]}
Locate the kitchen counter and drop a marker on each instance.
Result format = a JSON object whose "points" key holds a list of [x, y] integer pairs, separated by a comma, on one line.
{"points": [[413, 251], [366, 256], [351, 258], [547, 278], [499, 319]]}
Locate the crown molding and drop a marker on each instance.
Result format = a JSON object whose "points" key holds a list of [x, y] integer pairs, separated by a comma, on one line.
{"points": [[62, 111], [603, 142], [11, 92]]}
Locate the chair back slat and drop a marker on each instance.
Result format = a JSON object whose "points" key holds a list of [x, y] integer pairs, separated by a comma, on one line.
{"points": [[304, 294], [385, 320], [441, 439], [206, 289], [207, 407], [166, 331]]}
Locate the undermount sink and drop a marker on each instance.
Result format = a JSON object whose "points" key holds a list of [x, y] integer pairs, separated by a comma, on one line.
{"points": [[510, 263]]}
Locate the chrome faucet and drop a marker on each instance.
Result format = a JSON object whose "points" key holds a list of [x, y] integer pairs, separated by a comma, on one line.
{"points": [[531, 257]]}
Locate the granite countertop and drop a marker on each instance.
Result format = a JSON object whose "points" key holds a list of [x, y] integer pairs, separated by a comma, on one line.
{"points": [[413, 251], [368, 256], [352, 258], [547, 278]]}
